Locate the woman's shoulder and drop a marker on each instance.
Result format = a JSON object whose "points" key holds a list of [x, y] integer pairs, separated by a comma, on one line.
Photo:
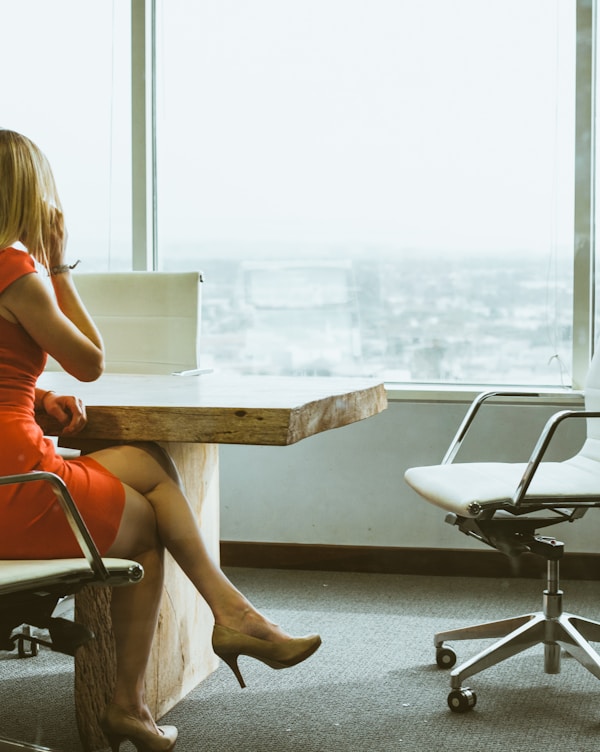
{"points": [[14, 264], [16, 256]]}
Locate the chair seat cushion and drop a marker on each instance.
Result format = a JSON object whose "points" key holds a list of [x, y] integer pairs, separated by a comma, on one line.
{"points": [[456, 487]]}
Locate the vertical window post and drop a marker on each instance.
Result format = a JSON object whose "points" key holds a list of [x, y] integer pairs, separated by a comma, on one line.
{"points": [[584, 241], [143, 134]]}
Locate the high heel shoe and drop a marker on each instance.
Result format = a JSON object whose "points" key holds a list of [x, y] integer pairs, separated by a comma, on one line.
{"points": [[117, 726], [229, 645]]}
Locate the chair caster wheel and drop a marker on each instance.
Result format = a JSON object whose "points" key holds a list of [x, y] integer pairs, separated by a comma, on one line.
{"points": [[22, 649], [445, 657], [23, 637], [461, 700]]}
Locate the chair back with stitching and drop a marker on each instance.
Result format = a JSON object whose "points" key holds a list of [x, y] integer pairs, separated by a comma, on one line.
{"points": [[592, 386], [591, 448], [150, 321]]}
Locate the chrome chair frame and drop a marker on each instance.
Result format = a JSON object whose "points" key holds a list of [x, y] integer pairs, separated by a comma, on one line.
{"points": [[31, 588], [506, 527]]}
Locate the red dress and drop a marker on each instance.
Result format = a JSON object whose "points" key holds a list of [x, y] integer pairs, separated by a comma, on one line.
{"points": [[32, 524]]}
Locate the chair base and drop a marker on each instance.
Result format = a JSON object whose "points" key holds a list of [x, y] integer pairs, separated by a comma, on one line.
{"points": [[12, 745], [550, 627]]}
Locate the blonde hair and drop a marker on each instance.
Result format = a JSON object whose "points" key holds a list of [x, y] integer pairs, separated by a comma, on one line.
{"points": [[28, 195]]}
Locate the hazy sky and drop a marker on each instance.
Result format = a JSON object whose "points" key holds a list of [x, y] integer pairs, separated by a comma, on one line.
{"points": [[417, 124]]}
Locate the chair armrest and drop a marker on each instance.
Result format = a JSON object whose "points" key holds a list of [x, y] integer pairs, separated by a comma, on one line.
{"points": [[456, 442], [74, 518], [540, 449]]}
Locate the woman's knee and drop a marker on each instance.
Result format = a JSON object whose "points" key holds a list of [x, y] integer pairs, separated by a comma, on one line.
{"points": [[140, 465], [160, 456]]}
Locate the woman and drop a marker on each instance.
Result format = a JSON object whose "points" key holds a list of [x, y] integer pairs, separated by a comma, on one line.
{"points": [[129, 495]]}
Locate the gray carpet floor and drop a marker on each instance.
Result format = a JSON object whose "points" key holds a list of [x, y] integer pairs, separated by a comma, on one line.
{"points": [[372, 687]]}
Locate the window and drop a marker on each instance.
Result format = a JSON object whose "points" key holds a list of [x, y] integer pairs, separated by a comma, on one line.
{"points": [[66, 85], [373, 187]]}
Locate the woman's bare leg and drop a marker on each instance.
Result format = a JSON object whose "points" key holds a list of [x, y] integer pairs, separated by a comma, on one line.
{"points": [[149, 471], [156, 516], [135, 610]]}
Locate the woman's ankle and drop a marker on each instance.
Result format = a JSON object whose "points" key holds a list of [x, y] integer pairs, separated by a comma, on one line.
{"points": [[252, 623]]}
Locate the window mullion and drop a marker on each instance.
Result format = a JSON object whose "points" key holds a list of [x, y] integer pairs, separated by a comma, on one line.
{"points": [[584, 245], [143, 146]]}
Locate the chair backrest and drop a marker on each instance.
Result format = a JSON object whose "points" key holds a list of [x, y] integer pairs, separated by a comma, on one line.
{"points": [[591, 448], [150, 321], [592, 384]]}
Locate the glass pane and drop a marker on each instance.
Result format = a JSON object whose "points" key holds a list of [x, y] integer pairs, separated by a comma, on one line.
{"points": [[373, 187], [67, 87]]}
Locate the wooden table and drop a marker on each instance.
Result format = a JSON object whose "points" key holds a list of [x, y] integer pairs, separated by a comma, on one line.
{"points": [[190, 416]]}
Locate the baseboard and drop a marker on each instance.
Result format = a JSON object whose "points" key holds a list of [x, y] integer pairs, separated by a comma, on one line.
{"points": [[421, 561]]}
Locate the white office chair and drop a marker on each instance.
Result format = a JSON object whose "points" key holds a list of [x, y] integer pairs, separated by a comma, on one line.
{"points": [[150, 321], [503, 505], [30, 589]]}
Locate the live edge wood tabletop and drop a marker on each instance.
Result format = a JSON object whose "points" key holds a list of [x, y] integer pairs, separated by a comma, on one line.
{"points": [[189, 415]]}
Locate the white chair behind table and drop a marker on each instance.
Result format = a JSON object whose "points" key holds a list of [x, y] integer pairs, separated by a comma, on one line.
{"points": [[30, 589], [504, 505], [150, 321]]}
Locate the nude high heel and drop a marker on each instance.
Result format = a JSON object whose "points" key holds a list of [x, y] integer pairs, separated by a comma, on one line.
{"points": [[229, 645], [118, 726]]}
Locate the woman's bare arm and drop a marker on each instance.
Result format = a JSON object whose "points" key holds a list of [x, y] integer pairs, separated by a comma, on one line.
{"points": [[61, 326]]}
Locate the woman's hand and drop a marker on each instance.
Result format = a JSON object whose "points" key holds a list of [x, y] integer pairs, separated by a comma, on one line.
{"points": [[57, 238], [69, 411], [54, 237]]}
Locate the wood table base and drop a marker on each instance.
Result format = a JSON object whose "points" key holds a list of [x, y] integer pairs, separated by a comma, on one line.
{"points": [[181, 655]]}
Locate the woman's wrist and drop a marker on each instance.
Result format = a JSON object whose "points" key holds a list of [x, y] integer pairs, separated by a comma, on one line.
{"points": [[41, 397], [62, 268]]}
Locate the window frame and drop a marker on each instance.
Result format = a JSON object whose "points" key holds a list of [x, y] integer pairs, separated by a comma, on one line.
{"points": [[144, 180]]}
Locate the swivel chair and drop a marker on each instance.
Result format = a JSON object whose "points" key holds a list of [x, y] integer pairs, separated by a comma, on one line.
{"points": [[503, 505], [30, 589]]}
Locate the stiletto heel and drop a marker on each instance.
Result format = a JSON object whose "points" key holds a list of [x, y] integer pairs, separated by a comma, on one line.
{"points": [[114, 740], [229, 645], [118, 726], [232, 662]]}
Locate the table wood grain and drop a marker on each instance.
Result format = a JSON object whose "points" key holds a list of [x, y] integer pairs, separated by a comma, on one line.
{"points": [[218, 410]]}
